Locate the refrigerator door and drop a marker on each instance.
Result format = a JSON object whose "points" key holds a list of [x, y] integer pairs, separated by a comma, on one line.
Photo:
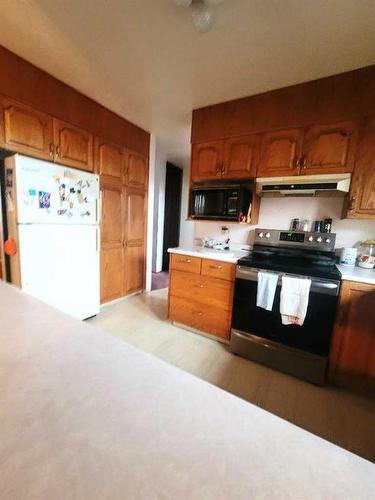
{"points": [[60, 266], [53, 194]]}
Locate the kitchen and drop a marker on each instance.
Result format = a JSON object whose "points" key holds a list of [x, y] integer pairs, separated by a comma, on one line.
{"points": [[270, 295]]}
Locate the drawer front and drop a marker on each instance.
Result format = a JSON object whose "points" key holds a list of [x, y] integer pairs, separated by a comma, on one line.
{"points": [[217, 269], [210, 291], [209, 319], [186, 263]]}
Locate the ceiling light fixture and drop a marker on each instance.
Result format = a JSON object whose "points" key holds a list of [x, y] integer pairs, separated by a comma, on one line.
{"points": [[202, 14]]}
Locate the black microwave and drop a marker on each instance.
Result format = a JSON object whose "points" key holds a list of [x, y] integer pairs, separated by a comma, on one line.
{"points": [[220, 203]]}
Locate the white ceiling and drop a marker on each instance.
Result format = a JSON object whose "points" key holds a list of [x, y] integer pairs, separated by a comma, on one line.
{"points": [[143, 60]]}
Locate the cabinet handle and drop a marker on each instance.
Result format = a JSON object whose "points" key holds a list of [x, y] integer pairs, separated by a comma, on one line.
{"points": [[304, 162], [200, 285], [216, 267], [218, 170], [186, 261], [223, 169], [57, 150], [51, 148], [198, 313]]}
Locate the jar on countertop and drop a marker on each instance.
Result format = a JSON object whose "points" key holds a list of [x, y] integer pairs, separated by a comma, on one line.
{"points": [[366, 254]]}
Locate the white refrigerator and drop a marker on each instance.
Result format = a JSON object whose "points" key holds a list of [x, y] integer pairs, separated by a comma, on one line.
{"points": [[57, 216]]}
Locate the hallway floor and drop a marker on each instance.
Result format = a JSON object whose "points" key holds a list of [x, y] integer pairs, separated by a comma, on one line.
{"points": [[339, 416], [160, 280]]}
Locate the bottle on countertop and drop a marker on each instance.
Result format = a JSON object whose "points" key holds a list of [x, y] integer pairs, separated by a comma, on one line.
{"points": [[327, 225]]}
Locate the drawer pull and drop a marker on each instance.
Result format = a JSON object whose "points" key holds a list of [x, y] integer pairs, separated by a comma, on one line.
{"points": [[187, 261], [198, 313], [216, 267], [200, 285]]}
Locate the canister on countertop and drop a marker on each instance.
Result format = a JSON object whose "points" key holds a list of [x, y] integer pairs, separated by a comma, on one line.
{"points": [[318, 226], [348, 257], [295, 225], [327, 225]]}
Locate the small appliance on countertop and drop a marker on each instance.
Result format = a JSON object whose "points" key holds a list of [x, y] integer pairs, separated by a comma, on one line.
{"points": [[258, 334]]}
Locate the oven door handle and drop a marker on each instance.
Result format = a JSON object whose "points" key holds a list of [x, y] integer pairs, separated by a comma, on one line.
{"points": [[319, 286]]}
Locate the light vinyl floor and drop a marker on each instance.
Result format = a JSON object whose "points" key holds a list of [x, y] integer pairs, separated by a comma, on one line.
{"points": [[341, 417]]}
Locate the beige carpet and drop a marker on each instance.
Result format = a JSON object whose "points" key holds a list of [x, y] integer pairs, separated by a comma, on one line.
{"points": [[334, 414]]}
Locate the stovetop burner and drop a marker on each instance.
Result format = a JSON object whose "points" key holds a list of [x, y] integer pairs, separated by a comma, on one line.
{"points": [[306, 254]]}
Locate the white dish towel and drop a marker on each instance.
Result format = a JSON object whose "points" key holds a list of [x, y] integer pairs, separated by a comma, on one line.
{"points": [[294, 300], [267, 283]]}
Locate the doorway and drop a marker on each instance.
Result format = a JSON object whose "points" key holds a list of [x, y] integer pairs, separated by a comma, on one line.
{"points": [[172, 211], [171, 226]]}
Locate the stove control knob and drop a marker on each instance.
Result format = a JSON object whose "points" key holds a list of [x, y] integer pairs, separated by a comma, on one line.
{"points": [[260, 235], [268, 235], [328, 240], [319, 239], [311, 238]]}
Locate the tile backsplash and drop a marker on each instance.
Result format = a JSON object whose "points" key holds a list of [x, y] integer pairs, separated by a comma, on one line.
{"points": [[277, 213]]}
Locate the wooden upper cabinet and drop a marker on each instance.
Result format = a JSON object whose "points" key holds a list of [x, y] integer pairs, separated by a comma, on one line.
{"points": [[73, 146], [135, 240], [112, 241], [352, 358], [240, 157], [207, 160], [108, 158], [329, 148], [136, 170], [280, 152], [24, 130], [361, 201]]}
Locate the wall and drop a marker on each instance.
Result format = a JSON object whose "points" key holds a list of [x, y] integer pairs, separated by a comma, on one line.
{"points": [[150, 213], [159, 202], [277, 213], [187, 227]]}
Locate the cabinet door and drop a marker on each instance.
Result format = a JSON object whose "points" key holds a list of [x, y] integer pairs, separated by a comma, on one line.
{"points": [[352, 359], [330, 148], [135, 240], [361, 202], [280, 152], [73, 146], [207, 160], [112, 242], [24, 130], [136, 170], [240, 157], [108, 159]]}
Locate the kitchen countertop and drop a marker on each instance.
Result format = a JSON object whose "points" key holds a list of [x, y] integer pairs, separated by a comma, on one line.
{"points": [[85, 415], [231, 256], [357, 274]]}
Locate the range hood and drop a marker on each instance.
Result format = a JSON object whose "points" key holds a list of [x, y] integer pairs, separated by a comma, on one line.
{"points": [[304, 185]]}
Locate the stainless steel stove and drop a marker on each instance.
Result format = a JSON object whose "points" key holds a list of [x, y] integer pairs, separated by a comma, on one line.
{"points": [[259, 334]]}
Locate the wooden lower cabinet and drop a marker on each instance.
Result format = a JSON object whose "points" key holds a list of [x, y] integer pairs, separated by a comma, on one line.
{"points": [[201, 294], [135, 268], [352, 358]]}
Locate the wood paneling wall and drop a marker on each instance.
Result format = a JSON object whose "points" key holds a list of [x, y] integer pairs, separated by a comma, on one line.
{"points": [[26, 83], [336, 98]]}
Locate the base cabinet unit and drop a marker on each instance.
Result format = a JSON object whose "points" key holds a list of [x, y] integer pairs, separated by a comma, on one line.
{"points": [[201, 294], [112, 241], [352, 358], [135, 239]]}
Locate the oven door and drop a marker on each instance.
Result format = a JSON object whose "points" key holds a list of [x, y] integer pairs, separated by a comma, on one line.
{"points": [[313, 337]]}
